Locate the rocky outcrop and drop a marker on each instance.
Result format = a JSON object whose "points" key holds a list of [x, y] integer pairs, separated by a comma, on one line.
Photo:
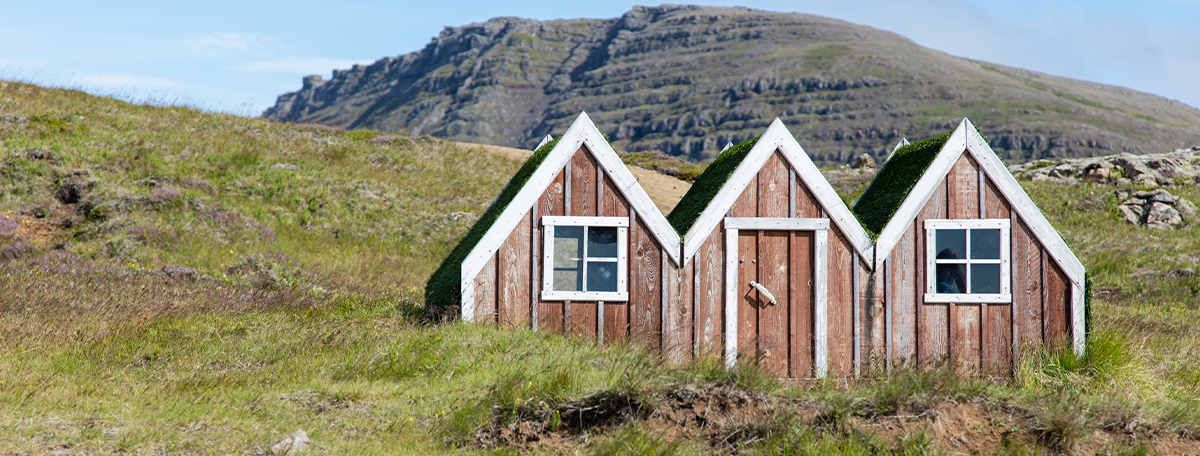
{"points": [[1140, 200], [1155, 209], [686, 80], [1154, 170]]}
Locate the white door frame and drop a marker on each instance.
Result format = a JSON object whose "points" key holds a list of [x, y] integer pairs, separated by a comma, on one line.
{"points": [[820, 227]]}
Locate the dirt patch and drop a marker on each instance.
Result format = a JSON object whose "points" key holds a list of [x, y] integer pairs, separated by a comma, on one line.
{"points": [[708, 413], [728, 419]]}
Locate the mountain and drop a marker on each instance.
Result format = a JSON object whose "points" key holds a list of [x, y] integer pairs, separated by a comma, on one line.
{"points": [[688, 79]]}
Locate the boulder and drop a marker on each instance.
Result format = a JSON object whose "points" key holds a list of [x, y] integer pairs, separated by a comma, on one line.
{"points": [[1187, 210], [1162, 216], [294, 444], [1131, 213], [1137, 171], [1154, 208], [863, 161]]}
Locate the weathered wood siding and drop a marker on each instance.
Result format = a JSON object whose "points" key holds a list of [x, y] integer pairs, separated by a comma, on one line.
{"points": [[780, 335], [982, 339], [509, 286]]}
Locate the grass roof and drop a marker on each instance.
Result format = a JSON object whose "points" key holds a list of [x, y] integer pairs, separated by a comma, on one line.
{"points": [[891, 185], [443, 287], [705, 188]]}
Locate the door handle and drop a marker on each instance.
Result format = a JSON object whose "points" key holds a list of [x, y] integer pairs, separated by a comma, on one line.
{"points": [[763, 290]]}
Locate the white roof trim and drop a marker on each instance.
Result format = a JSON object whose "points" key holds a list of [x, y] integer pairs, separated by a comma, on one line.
{"points": [[777, 137], [903, 142], [581, 133]]}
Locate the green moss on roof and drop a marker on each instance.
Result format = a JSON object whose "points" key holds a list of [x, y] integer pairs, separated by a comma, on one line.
{"points": [[891, 186], [705, 188], [898, 176], [443, 288]]}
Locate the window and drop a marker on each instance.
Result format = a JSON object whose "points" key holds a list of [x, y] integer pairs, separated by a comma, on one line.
{"points": [[584, 258], [967, 261]]}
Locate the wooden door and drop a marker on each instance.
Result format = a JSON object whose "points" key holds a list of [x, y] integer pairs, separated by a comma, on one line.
{"points": [[779, 335]]}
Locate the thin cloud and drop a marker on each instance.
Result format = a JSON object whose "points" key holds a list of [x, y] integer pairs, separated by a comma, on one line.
{"points": [[226, 43], [305, 65], [124, 80], [23, 63]]}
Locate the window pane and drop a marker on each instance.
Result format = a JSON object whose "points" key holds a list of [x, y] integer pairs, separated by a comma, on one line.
{"points": [[951, 244], [601, 276], [950, 279], [568, 261], [985, 245], [602, 242], [985, 278]]}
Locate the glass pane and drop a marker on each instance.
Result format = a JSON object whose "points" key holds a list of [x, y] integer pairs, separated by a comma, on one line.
{"points": [[985, 244], [602, 242], [601, 276], [567, 280], [985, 278], [568, 261], [950, 244], [951, 279]]}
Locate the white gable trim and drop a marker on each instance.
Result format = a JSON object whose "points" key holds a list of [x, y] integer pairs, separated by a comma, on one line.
{"points": [[581, 133], [966, 139], [777, 137], [903, 142]]}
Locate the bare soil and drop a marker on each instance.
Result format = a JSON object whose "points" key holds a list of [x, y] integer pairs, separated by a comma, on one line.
{"points": [[726, 419]]}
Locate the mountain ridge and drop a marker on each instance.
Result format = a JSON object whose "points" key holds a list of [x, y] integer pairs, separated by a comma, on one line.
{"points": [[688, 79]]}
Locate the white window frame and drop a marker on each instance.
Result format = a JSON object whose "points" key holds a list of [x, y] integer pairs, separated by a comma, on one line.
{"points": [[931, 294], [549, 222]]}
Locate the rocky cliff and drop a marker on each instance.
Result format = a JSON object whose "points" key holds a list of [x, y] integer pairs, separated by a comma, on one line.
{"points": [[687, 79]]}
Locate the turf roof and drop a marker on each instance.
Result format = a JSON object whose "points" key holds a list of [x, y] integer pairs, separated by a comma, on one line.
{"points": [[899, 174], [706, 187], [443, 287]]}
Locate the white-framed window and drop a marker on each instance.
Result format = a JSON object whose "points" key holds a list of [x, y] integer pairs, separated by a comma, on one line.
{"points": [[967, 261], [585, 258]]}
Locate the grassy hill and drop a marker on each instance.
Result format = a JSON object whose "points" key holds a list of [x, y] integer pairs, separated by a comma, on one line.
{"points": [[173, 281], [686, 79]]}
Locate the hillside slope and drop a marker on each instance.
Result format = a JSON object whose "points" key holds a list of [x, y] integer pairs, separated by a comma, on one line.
{"points": [[687, 79]]}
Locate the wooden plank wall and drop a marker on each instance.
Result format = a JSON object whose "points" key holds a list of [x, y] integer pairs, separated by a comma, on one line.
{"points": [[997, 319], [776, 192], [616, 314], [708, 302], [979, 338], [773, 247]]}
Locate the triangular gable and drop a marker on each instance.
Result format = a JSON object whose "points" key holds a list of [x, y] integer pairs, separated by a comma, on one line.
{"points": [[777, 137], [903, 142], [581, 133], [966, 138]]}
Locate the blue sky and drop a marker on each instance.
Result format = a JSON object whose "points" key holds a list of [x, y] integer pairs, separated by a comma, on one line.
{"points": [[237, 56]]}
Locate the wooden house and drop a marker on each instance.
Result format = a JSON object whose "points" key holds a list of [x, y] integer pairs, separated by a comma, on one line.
{"points": [[943, 257], [968, 268], [572, 245], [775, 262]]}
